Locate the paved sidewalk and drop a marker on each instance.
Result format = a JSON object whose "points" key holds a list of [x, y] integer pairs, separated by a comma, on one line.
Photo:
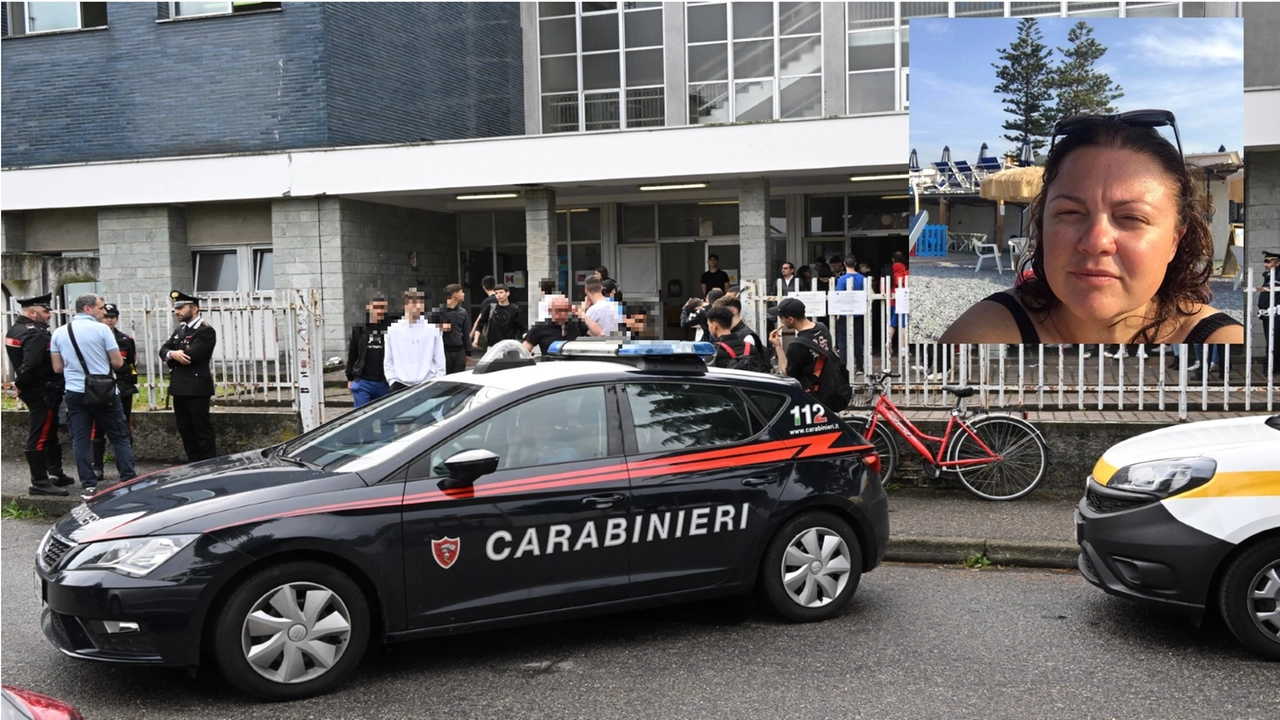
{"points": [[930, 526]]}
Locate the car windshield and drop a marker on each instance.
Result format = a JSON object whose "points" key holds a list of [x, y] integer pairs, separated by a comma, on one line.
{"points": [[387, 422]]}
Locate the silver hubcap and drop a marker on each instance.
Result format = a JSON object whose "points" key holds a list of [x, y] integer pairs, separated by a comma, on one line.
{"points": [[1264, 600], [815, 567], [296, 632]]}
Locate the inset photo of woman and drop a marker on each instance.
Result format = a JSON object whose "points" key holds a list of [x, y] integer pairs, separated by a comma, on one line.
{"points": [[1082, 179]]}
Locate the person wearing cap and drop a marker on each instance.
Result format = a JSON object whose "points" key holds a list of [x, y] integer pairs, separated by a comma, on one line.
{"points": [[126, 383], [798, 361], [1266, 311], [188, 353], [83, 347], [40, 389]]}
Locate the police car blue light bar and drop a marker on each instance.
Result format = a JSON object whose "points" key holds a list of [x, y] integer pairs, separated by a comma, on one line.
{"points": [[633, 348]]}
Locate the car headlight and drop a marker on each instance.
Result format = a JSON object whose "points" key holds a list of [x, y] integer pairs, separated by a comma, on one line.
{"points": [[135, 557], [1164, 477]]}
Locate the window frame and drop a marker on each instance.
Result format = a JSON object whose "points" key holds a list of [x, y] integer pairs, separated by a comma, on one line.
{"points": [[10, 7], [776, 78], [621, 93], [171, 8], [246, 264]]}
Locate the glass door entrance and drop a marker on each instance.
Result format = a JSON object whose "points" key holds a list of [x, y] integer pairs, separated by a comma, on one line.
{"points": [[682, 264]]}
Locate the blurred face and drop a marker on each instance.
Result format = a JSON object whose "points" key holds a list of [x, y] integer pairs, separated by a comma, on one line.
{"points": [[1110, 231], [560, 311], [413, 308], [377, 310]]}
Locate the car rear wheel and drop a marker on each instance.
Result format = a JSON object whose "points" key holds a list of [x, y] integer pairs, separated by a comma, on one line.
{"points": [[812, 567], [291, 631], [1249, 597]]}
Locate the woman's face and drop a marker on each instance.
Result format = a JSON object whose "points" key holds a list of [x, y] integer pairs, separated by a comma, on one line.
{"points": [[1110, 230]]}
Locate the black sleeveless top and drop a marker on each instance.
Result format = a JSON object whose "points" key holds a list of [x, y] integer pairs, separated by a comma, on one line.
{"points": [[1027, 329]]}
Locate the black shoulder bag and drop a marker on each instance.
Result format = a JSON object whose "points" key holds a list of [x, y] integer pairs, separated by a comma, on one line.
{"points": [[99, 390]]}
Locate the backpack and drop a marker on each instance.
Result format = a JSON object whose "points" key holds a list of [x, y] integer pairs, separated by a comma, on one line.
{"points": [[746, 361], [497, 319], [831, 378]]}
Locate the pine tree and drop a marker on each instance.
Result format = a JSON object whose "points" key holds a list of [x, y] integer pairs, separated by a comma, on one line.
{"points": [[1082, 90], [1026, 80]]}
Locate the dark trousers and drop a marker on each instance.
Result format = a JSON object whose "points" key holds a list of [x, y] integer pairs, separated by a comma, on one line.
{"points": [[82, 418], [42, 419], [192, 415], [126, 404], [454, 360]]}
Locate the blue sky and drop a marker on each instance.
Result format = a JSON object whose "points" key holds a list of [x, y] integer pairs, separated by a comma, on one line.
{"points": [[1192, 66]]}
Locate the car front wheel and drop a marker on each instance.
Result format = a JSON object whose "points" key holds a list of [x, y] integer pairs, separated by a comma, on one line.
{"points": [[291, 631], [1249, 597], [812, 567]]}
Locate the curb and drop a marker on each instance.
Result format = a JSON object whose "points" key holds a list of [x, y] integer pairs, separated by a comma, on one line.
{"points": [[955, 550], [903, 548]]}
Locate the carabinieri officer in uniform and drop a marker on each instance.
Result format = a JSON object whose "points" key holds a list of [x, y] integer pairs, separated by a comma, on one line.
{"points": [[40, 389], [188, 353]]}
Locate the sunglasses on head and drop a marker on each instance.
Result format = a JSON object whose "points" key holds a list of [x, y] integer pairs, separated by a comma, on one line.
{"points": [[1133, 118]]}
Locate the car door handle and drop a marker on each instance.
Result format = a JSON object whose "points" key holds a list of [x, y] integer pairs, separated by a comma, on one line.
{"points": [[603, 501], [758, 482]]}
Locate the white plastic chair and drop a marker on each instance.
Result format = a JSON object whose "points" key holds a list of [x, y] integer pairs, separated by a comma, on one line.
{"points": [[1016, 246], [986, 250]]}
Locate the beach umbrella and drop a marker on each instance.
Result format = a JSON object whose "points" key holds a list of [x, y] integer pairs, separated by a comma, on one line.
{"points": [[1028, 158], [1018, 185], [913, 165], [946, 153], [982, 152]]}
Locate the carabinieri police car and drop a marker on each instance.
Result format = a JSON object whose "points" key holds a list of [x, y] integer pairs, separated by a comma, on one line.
{"points": [[1189, 517], [618, 476]]}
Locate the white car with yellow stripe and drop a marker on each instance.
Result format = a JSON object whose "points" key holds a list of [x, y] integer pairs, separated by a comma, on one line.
{"points": [[1189, 517]]}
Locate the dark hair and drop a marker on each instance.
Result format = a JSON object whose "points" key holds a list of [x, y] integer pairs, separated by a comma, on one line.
{"points": [[899, 257], [1186, 279], [451, 288], [805, 272], [488, 282], [715, 294], [604, 272], [547, 286], [713, 256], [721, 316], [729, 301], [851, 261], [835, 260], [592, 284], [377, 297]]}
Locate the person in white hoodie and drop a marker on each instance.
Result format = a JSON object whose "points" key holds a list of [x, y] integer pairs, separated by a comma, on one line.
{"points": [[415, 347]]}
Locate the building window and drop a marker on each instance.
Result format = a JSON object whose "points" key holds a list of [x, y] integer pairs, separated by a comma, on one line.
{"points": [[601, 67], [32, 18], [199, 9], [578, 249], [1093, 9], [1153, 9], [232, 270], [979, 9], [754, 61], [880, 50]]}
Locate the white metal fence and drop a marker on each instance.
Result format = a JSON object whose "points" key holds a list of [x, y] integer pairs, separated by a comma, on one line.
{"points": [[263, 354], [1065, 377]]}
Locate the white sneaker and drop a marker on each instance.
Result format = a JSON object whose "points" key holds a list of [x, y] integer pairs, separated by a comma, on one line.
{"points": [[1117, 355], [1142, 352], [1194, 366]]}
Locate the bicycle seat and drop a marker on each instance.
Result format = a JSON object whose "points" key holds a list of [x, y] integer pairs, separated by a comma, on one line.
{"points": [[960, 392]]}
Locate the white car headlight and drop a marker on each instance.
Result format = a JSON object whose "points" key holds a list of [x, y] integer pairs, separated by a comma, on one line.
{"points": [[1164, 477], [135, 557]]}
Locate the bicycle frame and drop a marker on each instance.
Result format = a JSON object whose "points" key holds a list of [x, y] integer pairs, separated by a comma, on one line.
{"points": [[884, 408]]}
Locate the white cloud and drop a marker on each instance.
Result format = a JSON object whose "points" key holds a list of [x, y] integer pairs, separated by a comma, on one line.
{"points": [[1193, 44]]}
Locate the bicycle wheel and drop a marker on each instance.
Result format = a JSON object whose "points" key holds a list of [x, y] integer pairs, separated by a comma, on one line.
{"points": [[1024, 457], [882, 439]]}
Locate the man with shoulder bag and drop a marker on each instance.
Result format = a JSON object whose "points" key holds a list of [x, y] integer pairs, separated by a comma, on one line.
{"points": [[86, 353]]}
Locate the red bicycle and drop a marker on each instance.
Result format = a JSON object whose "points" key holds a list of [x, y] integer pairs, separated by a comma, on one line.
{"points": [[996, 457]]}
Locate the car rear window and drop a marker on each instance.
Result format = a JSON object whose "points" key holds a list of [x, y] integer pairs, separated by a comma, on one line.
{"points": [[676, 416]]}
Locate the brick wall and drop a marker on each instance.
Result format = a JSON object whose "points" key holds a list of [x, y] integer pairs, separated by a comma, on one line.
{"points": [[310, 75], [439, 71], [143, 249]]}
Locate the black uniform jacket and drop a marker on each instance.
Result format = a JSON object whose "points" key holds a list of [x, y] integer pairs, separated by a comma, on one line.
{"points": [[195, 379], [127, 374], [27, 343]]}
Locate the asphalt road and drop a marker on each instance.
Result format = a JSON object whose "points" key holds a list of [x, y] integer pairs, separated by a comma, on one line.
{"points": [[918, 641]]}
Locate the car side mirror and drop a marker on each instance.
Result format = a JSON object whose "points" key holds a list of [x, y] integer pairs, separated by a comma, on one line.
{"points": [[466, 466]]}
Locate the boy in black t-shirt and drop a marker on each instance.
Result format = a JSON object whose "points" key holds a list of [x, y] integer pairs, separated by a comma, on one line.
{"points": [[563, 325], [798, 361], [714, 277]]}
